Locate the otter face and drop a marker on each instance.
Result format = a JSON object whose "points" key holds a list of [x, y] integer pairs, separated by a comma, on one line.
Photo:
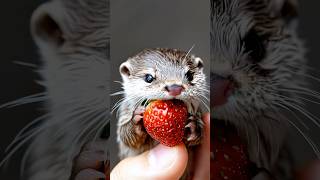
{"points": [[164, 74], [256, 57]]}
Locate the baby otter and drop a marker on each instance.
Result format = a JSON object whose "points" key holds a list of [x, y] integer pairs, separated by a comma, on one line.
{"points": [[159, 74]]}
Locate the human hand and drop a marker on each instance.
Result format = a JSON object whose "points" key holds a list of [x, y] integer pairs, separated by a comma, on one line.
{"points": [[164, 162]]}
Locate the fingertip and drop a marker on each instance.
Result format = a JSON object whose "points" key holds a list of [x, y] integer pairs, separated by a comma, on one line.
{"points": [[161, 162], [168, 162]]}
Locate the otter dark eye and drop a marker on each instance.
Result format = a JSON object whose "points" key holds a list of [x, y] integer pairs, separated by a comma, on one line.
{"points": [[148, 78], [254, 46], [189, 75]]}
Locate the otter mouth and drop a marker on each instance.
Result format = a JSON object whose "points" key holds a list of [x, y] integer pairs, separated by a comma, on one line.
{"points": [[145, 102]]}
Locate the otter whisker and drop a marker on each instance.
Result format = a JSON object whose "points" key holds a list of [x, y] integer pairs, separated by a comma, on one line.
{"points": [[83, 119], [117, 104], [139, 102], [119, 82], [92, 123], [314, 119], [22, 133], [83, 134], [307, 76], [122, 101], [204, 96], [308, 100], [301, 92], [254, 122], [117, 93], [204, 89], [24, 161], [306, 113], [305, 89], [293, 114], [234, 110], [237, 106], [21, 143], [129, 99], [307, 138], [26, 64], [286, 98], [188, 52], [204, 103], [258, 135], [39, 97]]}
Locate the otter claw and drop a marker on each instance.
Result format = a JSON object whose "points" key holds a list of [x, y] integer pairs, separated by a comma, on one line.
{"points": [[138, 114], [192, 127], [193, 131]]}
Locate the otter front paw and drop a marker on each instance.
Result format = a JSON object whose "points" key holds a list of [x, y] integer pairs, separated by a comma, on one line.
{"points": [[133, 133], [193, 130], [137, 120]]}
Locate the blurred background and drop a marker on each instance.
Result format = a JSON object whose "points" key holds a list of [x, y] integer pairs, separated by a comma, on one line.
{"points": [[17, 81], [135, 25]]}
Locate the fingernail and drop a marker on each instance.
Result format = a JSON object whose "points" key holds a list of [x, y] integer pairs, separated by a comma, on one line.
{"points": [[162, 157]]}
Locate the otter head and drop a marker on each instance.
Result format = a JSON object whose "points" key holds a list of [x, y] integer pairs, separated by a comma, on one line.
{"points": [[256, 64], [255, 56], [164, 74]]}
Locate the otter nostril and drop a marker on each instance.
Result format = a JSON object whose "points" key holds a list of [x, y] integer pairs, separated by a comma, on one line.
{"points": [[174, 90]]}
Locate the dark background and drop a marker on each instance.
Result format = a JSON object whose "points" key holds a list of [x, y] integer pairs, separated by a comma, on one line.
{"points": [[18, 81]]}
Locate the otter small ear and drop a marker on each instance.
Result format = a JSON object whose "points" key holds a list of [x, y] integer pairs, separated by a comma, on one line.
{"points": [[125, 70], [46, 25], [199, 63]]}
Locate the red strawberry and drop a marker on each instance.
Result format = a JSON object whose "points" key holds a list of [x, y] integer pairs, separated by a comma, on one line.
{"points": [[229, 158], [165, 120]]}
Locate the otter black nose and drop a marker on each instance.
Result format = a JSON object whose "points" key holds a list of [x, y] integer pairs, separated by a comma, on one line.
{"points": [[174, 90]]}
